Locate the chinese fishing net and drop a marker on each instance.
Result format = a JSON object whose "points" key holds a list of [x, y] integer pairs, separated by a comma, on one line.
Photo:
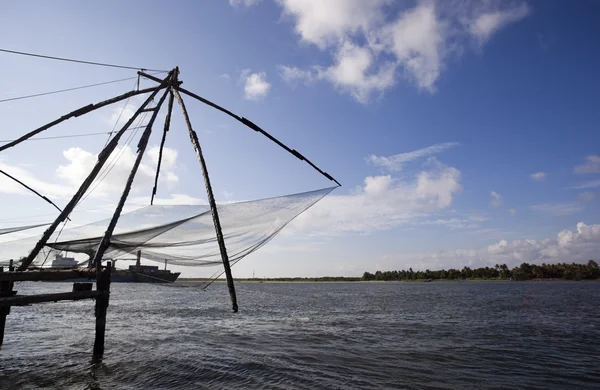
{"points": [[182, 235]]}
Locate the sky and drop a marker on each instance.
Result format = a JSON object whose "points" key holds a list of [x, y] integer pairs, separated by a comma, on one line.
{"points": [[464, 133]]}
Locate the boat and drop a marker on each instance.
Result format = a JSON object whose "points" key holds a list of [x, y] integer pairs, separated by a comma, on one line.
{"points": [[139, 273], [63, 262]]}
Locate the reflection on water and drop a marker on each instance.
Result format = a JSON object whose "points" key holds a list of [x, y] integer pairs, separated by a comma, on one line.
{"points": [[312, 335]]}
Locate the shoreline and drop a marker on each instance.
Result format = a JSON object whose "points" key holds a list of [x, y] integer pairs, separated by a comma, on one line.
{"points": [[354, 280]]}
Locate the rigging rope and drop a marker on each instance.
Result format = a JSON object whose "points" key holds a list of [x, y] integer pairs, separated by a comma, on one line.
{"points": [[82, 61], [66, 90]]}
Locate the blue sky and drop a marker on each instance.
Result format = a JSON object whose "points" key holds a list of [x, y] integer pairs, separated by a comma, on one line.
{"points": [[463, 132]]}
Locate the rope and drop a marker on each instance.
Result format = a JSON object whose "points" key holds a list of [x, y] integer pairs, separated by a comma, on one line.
{"points": [[67, 136], [81, 61], [65, 90]]}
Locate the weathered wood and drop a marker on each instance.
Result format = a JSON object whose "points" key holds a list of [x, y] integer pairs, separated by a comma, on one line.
{"points": [[35, 276], [162, 144], [5, 291], [142, 144], [78, 112], [103, 289], [211, 201], [22, 300], [102, 157]]}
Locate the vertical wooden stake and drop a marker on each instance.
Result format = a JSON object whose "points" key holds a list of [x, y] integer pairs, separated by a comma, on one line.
{"points": [[5, 291], [103, 285]]}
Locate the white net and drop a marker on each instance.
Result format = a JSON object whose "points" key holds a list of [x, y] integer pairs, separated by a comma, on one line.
{"points": [[183, 235]]}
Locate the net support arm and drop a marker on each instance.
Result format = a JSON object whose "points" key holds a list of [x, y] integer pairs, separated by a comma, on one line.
{"points": [[143, 143], [247, 123], [30, 189], [162, 144], [80, 111], [102, 158], [211, 201]]}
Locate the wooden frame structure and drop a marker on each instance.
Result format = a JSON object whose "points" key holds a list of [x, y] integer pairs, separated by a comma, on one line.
{"points": [[171, 86]]}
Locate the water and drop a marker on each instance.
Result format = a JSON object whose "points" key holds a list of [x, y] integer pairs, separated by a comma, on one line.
{"points": [[313, 335]]}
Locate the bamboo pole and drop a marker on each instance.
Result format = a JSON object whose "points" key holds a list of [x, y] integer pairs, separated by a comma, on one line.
{"points": [[102, 157], [211, 200], [162, 144], [143, 143], [76, 113]]}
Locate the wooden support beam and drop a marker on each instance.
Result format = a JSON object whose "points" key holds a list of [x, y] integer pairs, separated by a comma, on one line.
{"points": [[211, 200], [76, 113], [103, 291], [50, 275], [143, 143], [162, 144], [102, 158], [23, 300]]}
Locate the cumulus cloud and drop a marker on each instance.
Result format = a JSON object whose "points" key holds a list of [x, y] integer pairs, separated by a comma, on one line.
{"points": [[394, 163], [512, 211], [80, 162], [372, 43], [256, 86], [538, 176], [577, 245], [592, 165], [496, 199], [383, 202]]}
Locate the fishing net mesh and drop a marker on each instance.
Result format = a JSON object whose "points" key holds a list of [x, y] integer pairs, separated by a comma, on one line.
{"points": [[182, 234]]}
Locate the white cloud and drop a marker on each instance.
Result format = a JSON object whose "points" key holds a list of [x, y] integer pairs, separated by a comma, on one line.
{"points": [[558, 209], [117, 168], [174, 199], [47, 188], [383, 202], [370, 42], [589, 184], [225, 76], [486, 24], [538, 176], [587, 196], [292, 74], [569, 246], [592, 165], [256, 86], [394, 163], [512, 212], [244, 3], [496, 199]]}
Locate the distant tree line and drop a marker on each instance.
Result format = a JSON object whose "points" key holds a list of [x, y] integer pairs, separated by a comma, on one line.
{"points": [[525, 271]]}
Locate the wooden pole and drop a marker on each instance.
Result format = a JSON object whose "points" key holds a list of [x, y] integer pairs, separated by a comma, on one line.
{"points": [[140, 154], [102, 157], [162, 144], [211, 200], [5, 291], [103, 290], [76, 113]]}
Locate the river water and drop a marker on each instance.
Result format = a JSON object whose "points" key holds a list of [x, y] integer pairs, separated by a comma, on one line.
{"points": [[454, 335]]}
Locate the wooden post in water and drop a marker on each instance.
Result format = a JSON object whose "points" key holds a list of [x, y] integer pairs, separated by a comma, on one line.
{"points": [[211, 199], [5, 291], [103, 286]]}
